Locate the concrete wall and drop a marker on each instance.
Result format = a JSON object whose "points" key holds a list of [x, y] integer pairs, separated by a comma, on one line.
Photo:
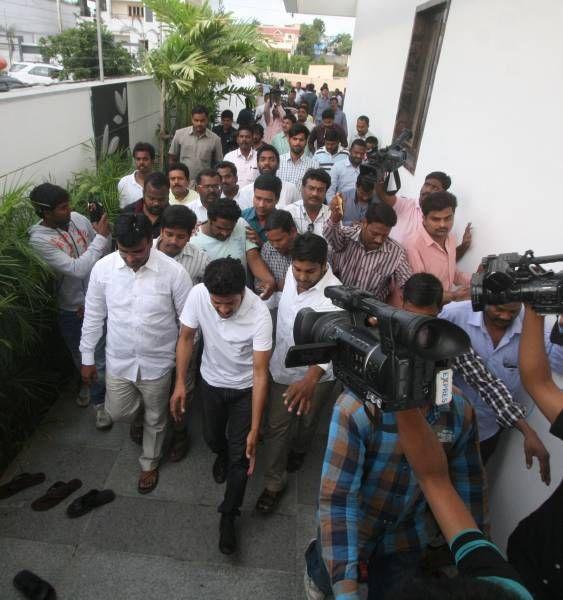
{"points": [[332, 82], [46, 132], [493, 124]]}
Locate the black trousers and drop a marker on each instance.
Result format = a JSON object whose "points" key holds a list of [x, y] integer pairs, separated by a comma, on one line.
{"points": [[227, 417]]}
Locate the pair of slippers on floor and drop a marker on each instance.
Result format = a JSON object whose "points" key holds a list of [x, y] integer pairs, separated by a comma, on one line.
{"points": [[58, 492], [33, 587]]}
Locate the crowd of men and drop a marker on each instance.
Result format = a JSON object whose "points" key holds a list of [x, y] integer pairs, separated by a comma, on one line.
{"points": [[195, 289]]}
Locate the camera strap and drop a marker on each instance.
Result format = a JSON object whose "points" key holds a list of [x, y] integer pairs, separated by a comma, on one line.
{"points": [[397, 180]]}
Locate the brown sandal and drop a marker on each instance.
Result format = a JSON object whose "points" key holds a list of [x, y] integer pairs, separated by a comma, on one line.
{"points": [[147, 476], [58, 492]]}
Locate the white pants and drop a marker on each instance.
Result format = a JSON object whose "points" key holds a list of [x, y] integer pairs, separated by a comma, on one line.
{"points": [[124, 399]]}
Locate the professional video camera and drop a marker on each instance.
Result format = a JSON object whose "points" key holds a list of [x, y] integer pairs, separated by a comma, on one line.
{"points": [[402, 363], [380, 163], [514, 278]]}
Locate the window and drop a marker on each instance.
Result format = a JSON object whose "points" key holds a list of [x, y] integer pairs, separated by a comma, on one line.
{"points": [[135, 11], [43, 71], [422, 60], [148, 15]]}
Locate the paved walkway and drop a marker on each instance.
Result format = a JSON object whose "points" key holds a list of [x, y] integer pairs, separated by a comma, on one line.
{"points": [[159, 546]]}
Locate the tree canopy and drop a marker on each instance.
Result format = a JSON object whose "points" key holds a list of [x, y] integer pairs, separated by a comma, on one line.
{"points": [[309, 37], [342, 44]]}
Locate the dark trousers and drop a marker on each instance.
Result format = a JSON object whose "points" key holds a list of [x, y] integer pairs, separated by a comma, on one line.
{"points": [[488, 446], [227, 417]]}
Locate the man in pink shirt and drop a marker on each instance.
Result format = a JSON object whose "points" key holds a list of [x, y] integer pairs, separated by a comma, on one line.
{"points": [[409, 213], [432, 248]]}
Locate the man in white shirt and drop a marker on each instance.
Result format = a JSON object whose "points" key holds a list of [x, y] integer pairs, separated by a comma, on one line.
{"points": [[362, 130], [208, 186], [244, 157], [268, 161], [237, 333], [310, 213], [297, 394], [138, 293], [130, 187], [180, 192], [229, 180]]}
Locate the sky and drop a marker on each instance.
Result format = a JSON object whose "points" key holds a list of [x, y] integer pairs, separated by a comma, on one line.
{"points": [[272, 12]]}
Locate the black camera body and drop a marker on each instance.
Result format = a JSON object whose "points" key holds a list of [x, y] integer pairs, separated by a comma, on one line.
{"points": [[512, 277], [400, 364], [95, 210], [380, 163]]}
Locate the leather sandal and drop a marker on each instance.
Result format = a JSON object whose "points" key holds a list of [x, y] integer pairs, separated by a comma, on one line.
{"points": [[58, 492], [20, 482], [268, 501], [143, 477]]}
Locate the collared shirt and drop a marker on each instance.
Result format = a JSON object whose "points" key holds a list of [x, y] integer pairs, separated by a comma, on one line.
{"points": [[427, 256], [303, 221], [321, 105], [137, 208], [327, 160], [281, 143], [196, 152], [309, 123], [288, 195], [141, 309], [370, 501], [278, 264], [502, 361], [192, 259], [373, 270], [247, 169], [340, 120], [355, 211], [356, 136], [250, 216], [129, 190], [293, 171], [317, 136], [343, 177], [228, 345], [189, 198], [199, 210], [236, 197], [291, 302], [235, 246], [409, 219], [228, 138]]}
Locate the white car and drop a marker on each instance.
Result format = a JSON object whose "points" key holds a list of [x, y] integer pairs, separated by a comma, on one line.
{"points": [[30, 72]]}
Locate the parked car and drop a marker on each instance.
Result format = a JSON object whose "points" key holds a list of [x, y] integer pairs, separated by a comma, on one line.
{"points": [[8, 83], [30, 72]]}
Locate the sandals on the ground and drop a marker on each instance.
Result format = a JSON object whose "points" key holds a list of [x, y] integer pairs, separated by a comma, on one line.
{"points": [[33, 587], [84, 504], [19, 483], [143, 477], [56, 494]]}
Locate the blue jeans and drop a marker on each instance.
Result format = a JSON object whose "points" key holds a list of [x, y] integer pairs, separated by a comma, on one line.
{"points": [[384, 572], [70, 325]]}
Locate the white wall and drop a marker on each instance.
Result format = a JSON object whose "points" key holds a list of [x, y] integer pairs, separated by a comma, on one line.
{"points": [[144, 102], [494, 124]]}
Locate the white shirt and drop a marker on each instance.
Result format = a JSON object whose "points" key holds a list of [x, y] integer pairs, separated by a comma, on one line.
{"points": [[141, 310], [199, 210], [191, 197], [247, 169], [288, 195], [129, 190], [228, 345], [303, 221], [290, 304]]}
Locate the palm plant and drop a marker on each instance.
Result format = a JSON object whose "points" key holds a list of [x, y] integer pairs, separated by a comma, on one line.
{"points": [[196, 62]]}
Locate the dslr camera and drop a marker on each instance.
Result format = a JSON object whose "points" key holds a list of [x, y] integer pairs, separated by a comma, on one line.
{"points": [[512, 277], [402, 363]]}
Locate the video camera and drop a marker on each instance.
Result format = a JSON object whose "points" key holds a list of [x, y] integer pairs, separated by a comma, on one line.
{"points": [[402, 363], [511, 277], [380, 163]]}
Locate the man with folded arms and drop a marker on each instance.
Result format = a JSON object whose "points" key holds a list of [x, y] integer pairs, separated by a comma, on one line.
{"points": [[139, 293]]}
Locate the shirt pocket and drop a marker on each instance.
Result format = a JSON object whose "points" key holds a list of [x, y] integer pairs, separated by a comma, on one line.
{"points": [[156, 305]]}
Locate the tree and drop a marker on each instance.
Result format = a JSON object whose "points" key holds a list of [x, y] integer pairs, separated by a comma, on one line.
{"points": [[77, 50], [202, 51], [309, 37], [278, 61], [342, 44]]}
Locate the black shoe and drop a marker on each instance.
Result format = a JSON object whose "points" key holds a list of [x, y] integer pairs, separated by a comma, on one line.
{"points": [[295, 461], [220, 468], [33, 587], [227, 536]]}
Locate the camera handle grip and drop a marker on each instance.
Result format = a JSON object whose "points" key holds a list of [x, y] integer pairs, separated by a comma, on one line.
{"points": [[397, 181]]}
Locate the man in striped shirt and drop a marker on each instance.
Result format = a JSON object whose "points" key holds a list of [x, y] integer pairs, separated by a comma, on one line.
{"points": [[363, 255], [331, 152], [295, 164]]}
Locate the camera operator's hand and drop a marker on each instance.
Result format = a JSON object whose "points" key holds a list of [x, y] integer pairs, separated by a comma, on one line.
{"points": [[102, 226], [300, 393], [336, 208]]}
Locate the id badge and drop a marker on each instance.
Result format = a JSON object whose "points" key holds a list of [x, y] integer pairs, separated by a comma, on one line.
{"points": [[444, 386]]}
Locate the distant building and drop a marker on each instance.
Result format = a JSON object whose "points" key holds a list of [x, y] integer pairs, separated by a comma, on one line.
{"points": [[282, 37]]}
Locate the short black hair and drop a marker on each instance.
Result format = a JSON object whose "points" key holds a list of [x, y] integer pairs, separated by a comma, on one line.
{"points": [[280, 219], [328, 113], [227, 164], [358, 142], [438, 201], [423, 289], [364, 118], [227, 114], [144, 147], [157, 180], [311, 247], [47, 196], [224, 277], [444, 179], [318, 175], [331, 135], [178, 217], [290, 116], [132, 228], [206, 173], [180, 167], [371, 139], [380, 212], [297, 129], [303, 105], [269, 183], [268, 148], [246, 126], [199, 109], [366, 182], [224, 209], [258, 129]]}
